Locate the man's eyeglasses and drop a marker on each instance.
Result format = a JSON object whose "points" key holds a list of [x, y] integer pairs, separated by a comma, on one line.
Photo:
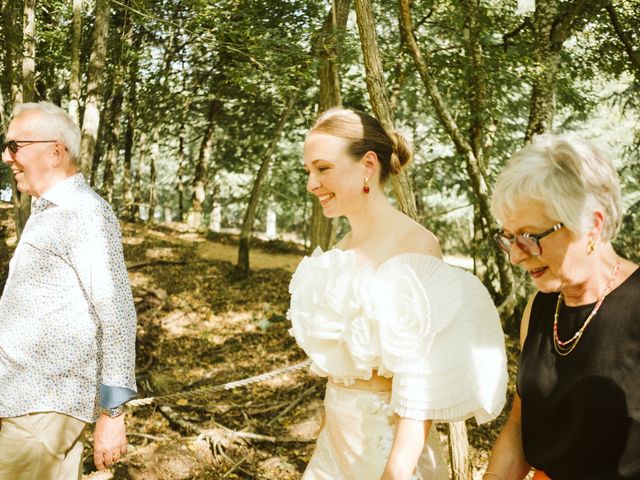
{"points": [[15, 145], [527, 242]]}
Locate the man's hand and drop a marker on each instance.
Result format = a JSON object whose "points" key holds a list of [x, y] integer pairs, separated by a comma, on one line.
{"points": [[109, 440]]}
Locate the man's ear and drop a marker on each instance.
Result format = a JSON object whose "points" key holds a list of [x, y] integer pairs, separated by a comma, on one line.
{"points": [[59, 154]]}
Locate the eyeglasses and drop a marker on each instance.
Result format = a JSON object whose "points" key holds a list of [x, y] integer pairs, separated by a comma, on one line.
{"points": [[15, 145], [527, 242]]}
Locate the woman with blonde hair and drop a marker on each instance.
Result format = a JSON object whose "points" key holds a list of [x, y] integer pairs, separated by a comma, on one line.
{"points": [[405, 339], [576, 414]]}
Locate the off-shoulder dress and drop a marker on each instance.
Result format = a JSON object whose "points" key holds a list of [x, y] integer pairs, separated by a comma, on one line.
{"points": [[429, 326]]}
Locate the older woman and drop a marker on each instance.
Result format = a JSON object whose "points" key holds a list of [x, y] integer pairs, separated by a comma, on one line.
{"points": [[576, 414]]}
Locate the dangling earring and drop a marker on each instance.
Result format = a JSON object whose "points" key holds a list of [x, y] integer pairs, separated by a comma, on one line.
{"points": [[591, 247], [365, 187]]}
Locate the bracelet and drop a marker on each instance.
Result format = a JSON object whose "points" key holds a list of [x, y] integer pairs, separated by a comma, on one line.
{"points": [[493, 474]]}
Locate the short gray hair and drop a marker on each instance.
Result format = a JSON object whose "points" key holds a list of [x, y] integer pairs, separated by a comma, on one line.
{"points": [[570, 176], [59, 124]]}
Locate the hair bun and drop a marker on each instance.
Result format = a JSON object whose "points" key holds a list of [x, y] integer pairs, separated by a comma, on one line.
{"points": [[401, 154]]}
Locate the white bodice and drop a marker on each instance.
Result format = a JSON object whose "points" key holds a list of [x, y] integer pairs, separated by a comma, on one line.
{"points": [[430, 326]]}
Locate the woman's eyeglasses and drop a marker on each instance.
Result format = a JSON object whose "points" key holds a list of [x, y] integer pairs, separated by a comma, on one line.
{"points": [[15, 145], [527, 242]]}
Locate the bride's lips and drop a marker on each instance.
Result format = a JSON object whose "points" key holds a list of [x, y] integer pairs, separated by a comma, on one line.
{"points": [[538, 272]]}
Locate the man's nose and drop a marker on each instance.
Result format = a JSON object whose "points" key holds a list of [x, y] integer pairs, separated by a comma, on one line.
{"points": [[6, 156]]}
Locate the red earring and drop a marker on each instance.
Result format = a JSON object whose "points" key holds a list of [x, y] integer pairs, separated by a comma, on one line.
{"points": [[365, 187]]}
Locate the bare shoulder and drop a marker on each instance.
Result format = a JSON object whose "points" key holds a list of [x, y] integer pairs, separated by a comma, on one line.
{"points": [[414, 238]]}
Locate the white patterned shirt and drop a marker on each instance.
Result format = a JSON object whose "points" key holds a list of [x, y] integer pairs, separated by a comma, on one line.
{"points": [[67, 318]]}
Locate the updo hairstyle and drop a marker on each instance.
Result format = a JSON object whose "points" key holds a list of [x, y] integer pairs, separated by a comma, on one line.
{"points": [[363, 134], [570, 176]]}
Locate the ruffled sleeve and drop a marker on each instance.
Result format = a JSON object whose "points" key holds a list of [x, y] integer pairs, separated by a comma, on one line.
{"points": [[441, 339], [330, 318]]}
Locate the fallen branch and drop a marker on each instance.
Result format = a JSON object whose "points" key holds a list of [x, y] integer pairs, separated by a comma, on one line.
{"points": [[183, 426]]}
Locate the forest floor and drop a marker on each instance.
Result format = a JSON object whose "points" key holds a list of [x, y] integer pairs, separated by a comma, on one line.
{"points": [[199, 325]]}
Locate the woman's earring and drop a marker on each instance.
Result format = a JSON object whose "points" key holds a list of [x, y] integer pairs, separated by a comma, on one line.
{"points": [[365, 187], [591, 247]]}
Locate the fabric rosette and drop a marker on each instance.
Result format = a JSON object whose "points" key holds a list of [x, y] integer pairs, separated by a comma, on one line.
{"points": [[321, 312]]}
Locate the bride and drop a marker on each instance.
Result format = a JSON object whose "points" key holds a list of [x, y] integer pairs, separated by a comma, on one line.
{"points": [[405, 339]]}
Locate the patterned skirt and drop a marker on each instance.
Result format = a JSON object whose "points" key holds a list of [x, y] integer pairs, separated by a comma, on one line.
{"points": [[356, 439]]}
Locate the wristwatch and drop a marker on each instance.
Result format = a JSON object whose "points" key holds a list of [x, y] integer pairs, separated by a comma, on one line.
{"points": [[113, 412]]}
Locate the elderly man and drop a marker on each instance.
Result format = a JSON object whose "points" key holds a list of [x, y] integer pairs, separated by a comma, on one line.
{"points": [[67, 319]]}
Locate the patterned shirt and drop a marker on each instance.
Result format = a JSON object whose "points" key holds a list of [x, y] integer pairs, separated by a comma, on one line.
{"points": [[67, 318]]}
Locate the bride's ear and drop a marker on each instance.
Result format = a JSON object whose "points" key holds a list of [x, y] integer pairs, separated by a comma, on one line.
{"points": [[371, 163]]}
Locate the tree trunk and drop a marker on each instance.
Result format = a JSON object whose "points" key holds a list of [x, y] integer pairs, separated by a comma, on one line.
{"points": [[95, 77], [74, 81], [29, 52], [546, 58], [10, 87], [22, 201], [551, 28], [128, 203], [182, 133], [254, 198], [198, 186], [377, 89], [112, 139], [114, 130], [327, 49], [153, 162], [137, 179]]}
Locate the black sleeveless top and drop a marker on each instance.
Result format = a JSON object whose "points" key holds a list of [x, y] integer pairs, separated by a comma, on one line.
{"points": [[581, 412]]}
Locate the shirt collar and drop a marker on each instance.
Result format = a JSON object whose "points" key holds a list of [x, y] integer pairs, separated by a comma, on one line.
{"points": [[63, 194]]}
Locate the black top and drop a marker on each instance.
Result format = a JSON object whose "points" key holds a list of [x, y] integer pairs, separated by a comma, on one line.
{"points": [[581, 412]]}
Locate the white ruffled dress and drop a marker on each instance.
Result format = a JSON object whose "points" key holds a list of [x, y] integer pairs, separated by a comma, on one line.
{"points": [[432, 327]]}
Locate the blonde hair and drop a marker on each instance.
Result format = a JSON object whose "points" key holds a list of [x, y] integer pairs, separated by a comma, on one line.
{"points": [[570, 176], [364, 134]]}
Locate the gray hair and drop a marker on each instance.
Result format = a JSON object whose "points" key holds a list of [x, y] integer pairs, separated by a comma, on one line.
{"points": [[59, 124], [570, 176]]}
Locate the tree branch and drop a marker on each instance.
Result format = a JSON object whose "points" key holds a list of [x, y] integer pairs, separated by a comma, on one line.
{"points": [[507, 36], [624, 38]]}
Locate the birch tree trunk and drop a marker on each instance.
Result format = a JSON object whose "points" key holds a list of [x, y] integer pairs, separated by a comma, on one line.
{"points": [[327, 48], [256, 190], [74, 81], [377, 89], [95, 76]]}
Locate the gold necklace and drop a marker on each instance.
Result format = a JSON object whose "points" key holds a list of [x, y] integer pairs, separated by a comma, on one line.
{"points": [[566, 347]]}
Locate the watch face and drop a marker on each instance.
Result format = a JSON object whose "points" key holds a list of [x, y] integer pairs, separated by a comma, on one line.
{"points": [[114, 412]]}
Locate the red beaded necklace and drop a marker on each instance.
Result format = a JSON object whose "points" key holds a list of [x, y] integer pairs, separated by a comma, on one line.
{"points": [[566, 347]]}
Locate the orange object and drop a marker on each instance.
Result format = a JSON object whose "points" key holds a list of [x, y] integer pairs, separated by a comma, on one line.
{"points": [[540, 475]]}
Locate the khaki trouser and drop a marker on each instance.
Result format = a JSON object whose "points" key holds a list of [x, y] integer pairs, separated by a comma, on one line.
{"points": [[41, 446]]}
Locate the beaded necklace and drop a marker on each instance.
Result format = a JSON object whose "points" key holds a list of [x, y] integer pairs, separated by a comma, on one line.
{"points": [[566, 347]]}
